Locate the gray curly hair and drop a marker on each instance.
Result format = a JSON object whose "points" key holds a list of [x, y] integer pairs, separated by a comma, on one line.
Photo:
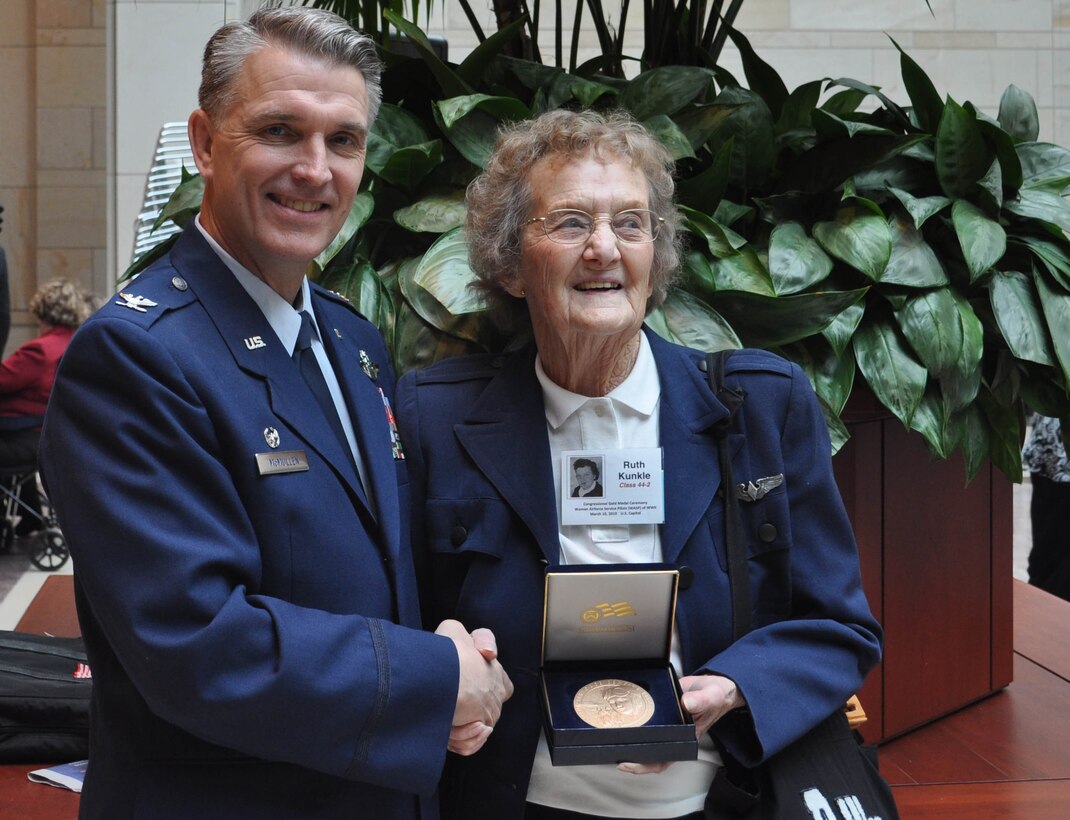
{"points": [[499, 199], [60, 302]]}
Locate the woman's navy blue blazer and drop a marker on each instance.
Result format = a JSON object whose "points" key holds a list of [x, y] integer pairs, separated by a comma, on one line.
{"points": [[486, 528]]}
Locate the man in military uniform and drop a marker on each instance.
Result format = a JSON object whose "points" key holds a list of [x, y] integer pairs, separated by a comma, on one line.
{"points": [[230, 481]]}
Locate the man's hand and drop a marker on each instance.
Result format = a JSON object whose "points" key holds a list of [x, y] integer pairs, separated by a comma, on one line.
{"points": [[707, 698], [483, 685]]}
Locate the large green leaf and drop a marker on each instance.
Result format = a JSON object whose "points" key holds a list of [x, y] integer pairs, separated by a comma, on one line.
{"points": [[796, 260], [1055, 258], [892, 373], [395, 128], [920, 208], [455, 109], [983, 240], [1018, 114], [799, 107], [670, 136], [360, 283], [1038, 203], [750, 128], [443, 272], [721, 241], [473, 135], [928, 107], [1009, 164], [435, 213], [418, 344], [859, 238], [475, 66], [931, 324], [872, 90], [184, 203], [969, 428], [407, 167], [829, 127], [1055, 303], [1005, 437], [700, 122], [1016, 308], [665, 90], [761, 76], [913, 262], [765, 321], [831, 374], [1044, 166], [359, 212], [687, 320], [742, 271], [451, 84], [842, 328], [930, 419], [962, 157]]}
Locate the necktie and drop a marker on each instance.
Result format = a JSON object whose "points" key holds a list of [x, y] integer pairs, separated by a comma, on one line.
{"points": [[310, 370]]}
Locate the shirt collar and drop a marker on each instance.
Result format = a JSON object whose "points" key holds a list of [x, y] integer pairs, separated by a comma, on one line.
{"points": [[280, 314], [640, 391]]}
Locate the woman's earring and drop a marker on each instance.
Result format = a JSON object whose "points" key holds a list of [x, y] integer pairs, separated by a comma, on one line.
{"points": [[523, 293]]}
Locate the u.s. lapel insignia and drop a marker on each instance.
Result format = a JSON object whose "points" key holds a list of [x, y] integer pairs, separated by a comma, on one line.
{"points": [[370, 368], [271, 436], [138, 303], [757, 490]]}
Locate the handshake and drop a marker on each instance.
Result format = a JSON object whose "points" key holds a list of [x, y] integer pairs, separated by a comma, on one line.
{"points": [[482, 689]]}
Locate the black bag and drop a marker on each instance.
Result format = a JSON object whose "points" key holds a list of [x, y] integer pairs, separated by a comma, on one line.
{"points": [[827, 774], [45, 686]]}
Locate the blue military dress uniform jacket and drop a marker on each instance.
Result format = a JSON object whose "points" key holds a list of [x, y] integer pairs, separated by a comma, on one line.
{"points": [[485, 529], [253, 634]]}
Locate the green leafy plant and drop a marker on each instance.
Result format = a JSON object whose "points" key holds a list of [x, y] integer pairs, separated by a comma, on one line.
{"points": [[917, 251]]}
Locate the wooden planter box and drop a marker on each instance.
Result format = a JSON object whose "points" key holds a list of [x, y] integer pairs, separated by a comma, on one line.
{"points": [[937, 559]]}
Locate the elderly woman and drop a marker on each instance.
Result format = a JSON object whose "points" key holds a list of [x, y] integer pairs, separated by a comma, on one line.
{"points": [[26, 378], [573, 231]]}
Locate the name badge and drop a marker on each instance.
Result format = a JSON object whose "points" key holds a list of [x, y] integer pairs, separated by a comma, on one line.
{"points": [[282, 461], [602, 487]]}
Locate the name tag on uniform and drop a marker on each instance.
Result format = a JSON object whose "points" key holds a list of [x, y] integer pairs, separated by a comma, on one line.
{"points": [[604, 488], [282, 461]]}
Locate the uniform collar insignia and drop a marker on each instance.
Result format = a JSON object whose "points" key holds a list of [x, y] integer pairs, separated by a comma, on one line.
{"points": [[370, 368], [138, 303]]}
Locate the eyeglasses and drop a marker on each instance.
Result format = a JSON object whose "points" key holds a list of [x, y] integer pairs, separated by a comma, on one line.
{"points": [[570, 227]]}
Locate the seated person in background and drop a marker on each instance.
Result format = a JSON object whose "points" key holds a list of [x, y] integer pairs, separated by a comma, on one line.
{"points": [[26, 378]]}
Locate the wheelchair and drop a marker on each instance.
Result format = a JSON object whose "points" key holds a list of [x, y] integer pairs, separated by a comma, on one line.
{"points": [[47, 548]]}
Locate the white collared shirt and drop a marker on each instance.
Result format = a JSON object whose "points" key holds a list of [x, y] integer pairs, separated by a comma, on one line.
{"points": [[285, 320]]}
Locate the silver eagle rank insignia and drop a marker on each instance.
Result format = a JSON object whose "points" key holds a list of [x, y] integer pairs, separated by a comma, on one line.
{"points": [[138, 303]]}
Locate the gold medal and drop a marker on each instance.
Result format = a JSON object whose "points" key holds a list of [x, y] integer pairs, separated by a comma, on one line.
{"points": [[613, 704]]}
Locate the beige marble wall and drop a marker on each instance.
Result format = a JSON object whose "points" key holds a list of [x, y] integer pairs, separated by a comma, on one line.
{"points": [[88, 83], [52, 163]]}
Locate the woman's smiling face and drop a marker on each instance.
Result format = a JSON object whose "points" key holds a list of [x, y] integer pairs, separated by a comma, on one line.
{"points": [[598, 288]]}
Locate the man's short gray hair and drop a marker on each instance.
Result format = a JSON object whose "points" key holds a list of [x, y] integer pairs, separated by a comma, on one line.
{"points": [[313, 32]]}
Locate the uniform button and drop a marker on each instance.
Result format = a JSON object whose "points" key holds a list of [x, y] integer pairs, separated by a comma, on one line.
{"points": [[767, 533], [458, 535], [687, 577], [179, 283]]}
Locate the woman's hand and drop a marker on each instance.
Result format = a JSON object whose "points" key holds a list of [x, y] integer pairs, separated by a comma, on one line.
{"points": [[707, 698]]}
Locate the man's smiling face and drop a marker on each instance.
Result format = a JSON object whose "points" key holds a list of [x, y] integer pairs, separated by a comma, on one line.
{"points": [[283, 165]]}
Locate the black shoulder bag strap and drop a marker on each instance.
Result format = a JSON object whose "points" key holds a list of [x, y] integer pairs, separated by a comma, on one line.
{"points": [[738, 573], [818, 761]]}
